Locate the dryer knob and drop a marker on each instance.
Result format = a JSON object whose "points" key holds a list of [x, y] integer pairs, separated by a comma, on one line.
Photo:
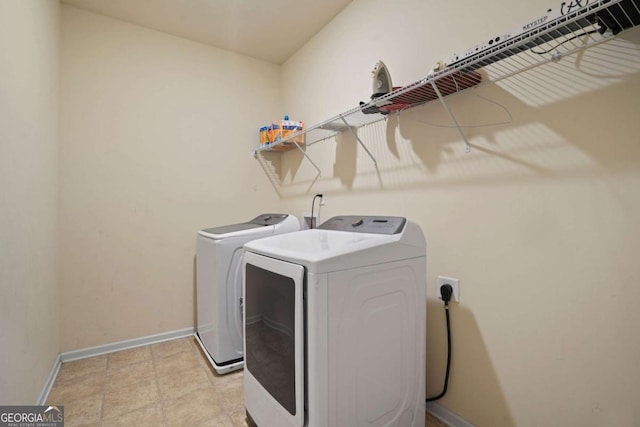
{"points": [[357, 222]]}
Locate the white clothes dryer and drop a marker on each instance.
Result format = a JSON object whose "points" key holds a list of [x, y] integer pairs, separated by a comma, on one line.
{"points": [[335, 325], [219, 285]]}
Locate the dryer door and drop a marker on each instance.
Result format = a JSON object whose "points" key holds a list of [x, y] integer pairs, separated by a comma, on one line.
{"points": [[273, 341]]}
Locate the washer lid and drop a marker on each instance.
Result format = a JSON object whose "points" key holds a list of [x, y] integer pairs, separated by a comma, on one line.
{"points": [[232, 228], [264, 222], [269, 219]]}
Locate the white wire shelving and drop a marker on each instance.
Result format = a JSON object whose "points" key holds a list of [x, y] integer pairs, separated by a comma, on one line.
{"points": [[577, 25]]}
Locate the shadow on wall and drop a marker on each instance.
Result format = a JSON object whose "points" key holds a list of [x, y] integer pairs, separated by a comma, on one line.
{"points": [[557, 120], [271, 165], [344, 167], [549, 122], [475, 384], [278, 171]]}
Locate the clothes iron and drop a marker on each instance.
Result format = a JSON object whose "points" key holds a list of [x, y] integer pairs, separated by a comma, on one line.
{"points": [[381, 86], [381, 80]]}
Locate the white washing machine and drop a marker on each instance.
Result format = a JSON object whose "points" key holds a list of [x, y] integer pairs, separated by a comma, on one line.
{"points": [[335, 325], [219, 285]]}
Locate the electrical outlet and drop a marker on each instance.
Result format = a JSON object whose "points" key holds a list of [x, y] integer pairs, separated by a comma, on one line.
{"points": [[455, 284]]}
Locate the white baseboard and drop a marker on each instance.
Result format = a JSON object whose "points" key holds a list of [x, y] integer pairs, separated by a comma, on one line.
{"points": [[50, 380], [438, 411], [446, 416], [68, 356]]}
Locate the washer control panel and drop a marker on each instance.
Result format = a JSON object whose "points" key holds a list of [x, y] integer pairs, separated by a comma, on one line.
{"points": [[365, 224], [269, 219]]}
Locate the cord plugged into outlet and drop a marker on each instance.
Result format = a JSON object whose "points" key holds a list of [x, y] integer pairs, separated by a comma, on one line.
{"points": [[313, 202], [455, 286], [447, 291]]}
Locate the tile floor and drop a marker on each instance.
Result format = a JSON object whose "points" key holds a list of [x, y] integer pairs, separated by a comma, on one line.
{"points": [[166, 384]]}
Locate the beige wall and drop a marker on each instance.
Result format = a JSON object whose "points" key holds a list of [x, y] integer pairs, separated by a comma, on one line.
{"points": [[29, 35], [539, 221], [156, 137]]}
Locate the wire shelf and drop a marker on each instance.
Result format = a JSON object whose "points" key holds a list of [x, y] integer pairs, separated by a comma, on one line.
{"points": [[576, 26]]}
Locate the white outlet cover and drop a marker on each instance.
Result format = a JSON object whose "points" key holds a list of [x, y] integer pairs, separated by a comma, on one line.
{"points": [[455, 284]]}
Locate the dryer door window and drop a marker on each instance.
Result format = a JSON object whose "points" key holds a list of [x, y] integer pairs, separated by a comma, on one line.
{"points": [[270, 304], [274, 340]]}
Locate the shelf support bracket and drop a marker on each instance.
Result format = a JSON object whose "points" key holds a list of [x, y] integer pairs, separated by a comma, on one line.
{"points": [[304, 153], [355, 134], [257, 153], [467, 147]]}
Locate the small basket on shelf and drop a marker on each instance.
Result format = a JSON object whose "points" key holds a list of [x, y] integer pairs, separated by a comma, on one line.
{"points": [[282, 136]]}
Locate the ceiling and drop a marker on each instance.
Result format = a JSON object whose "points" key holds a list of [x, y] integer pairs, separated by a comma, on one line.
{"points": [[271, 30]]}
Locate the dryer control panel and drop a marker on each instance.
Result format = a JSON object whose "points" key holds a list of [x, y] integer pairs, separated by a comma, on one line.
{"points": [[365, 224]]}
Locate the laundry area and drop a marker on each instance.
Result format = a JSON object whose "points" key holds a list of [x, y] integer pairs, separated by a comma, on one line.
{"points": [[313, 214]]}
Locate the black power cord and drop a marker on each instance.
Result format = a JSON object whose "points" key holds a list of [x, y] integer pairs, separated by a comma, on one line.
{"points": [[538, 52], [446, 291], [313, 203]]}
